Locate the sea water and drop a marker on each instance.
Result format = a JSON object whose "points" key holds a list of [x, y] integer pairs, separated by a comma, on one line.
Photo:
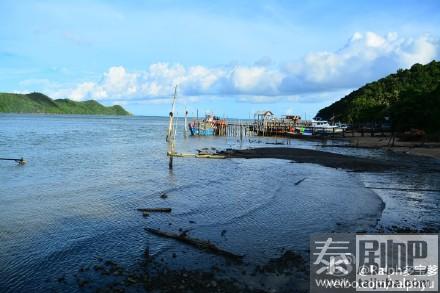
{"points": [[76, 198]]}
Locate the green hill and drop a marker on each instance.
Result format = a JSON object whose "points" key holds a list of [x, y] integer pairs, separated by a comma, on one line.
{"points": [[411, 98], [39, 103]]}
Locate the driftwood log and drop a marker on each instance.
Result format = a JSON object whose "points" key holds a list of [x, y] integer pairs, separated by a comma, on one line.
{"points": [[299, 181], [159, 210], [198, 243], [19, 161]]}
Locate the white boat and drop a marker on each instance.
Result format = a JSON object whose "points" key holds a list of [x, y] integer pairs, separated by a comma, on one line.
{"points": [[322, 126]]}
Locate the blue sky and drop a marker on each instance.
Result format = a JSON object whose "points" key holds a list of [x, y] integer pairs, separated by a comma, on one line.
{"points": [[229, 57]]}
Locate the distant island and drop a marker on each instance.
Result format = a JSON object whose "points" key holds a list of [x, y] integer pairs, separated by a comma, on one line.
{"points": [[408, 99], [40, 103]]}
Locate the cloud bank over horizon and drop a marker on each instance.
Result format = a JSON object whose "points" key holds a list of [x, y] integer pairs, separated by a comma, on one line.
{"points": [[364, 58]]}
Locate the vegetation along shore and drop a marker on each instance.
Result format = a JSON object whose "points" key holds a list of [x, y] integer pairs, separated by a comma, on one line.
{"points": [[408, 99], [40, 103]]}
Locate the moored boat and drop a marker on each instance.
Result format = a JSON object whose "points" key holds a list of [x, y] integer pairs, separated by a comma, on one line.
{"points": [[207, 127], [314, 127], [323, 127]]}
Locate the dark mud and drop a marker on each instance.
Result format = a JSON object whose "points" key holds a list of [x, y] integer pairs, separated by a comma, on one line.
{"points": [[288, 272], [316, 157]]}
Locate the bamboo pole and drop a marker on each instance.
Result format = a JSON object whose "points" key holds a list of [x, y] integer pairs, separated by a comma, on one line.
{"points": [[171, 133], [186, 124]]}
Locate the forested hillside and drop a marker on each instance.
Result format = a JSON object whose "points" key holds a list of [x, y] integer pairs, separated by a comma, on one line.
{"points": [[39, 103], [411, 98]]}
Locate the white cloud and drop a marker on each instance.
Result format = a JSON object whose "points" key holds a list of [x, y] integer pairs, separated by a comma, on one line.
{"points": [[256, 79], [364, 58], [83, 91], [373, 40], [118, 80], [421, 50]]}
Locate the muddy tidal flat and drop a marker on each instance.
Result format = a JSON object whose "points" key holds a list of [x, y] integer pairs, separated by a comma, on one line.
{"points": [[327, 159], [69, 218]]}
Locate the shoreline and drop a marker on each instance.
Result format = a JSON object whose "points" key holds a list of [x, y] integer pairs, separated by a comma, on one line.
{"points": [[327, 159], [426, 149]]}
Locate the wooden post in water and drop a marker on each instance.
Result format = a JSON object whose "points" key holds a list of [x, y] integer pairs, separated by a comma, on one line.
{"points": [[241, 133], [186, 124], [170, 142], [171, 136]]}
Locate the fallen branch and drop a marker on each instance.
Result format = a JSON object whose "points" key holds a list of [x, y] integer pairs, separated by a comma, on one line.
{"points": [[198, 243], [20, 161], [159, 210], [298, 182]]}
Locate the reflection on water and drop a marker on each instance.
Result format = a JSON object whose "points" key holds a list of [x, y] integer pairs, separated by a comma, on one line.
{"points": [[76, 199]]}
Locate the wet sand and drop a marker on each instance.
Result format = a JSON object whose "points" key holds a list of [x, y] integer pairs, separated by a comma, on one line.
{"points": [[315, 157]]}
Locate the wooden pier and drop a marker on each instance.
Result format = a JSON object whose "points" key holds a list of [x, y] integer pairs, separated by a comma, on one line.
{"points": [[264, 124], [274, 128]]}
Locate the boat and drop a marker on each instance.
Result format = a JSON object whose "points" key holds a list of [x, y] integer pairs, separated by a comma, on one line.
{"points": [[314, 127], [207, 127], [323, 127], [300, 131]]}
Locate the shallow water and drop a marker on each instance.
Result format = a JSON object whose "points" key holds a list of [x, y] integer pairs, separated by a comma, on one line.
{"points": [[76, 198]]}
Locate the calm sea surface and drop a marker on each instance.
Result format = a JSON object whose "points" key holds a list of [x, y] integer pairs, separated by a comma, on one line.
{"points": [[76, 199]]}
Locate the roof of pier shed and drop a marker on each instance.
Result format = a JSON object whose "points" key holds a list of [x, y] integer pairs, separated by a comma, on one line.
{"points": [[263, 113]]}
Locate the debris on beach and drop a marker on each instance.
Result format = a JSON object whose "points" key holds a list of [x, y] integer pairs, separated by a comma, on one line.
{"points": [[198, 243]]}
